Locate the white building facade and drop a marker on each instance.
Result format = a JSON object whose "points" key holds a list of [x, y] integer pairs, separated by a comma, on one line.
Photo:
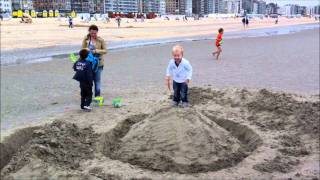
{"points": [[5, 6]]}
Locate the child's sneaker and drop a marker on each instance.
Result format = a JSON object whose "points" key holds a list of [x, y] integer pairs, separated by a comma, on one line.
{"points": [[87, 108], [175, 104], [185, 104]]}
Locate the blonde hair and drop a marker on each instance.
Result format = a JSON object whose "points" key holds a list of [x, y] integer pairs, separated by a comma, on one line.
{"points": [[177, 48]]}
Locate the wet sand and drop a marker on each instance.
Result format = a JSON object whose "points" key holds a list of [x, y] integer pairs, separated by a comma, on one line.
{"points": [[30, 92], [235, 129]]}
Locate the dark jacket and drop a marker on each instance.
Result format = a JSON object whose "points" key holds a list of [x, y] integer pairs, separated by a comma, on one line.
{"points": [[83, 71]]}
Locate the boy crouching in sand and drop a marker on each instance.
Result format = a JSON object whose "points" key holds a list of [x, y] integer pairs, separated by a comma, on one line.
{"points": [[84, 75], [180, 70]]}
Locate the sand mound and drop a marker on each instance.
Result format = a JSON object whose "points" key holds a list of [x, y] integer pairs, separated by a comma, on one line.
{"points": [[179, 140], [60, 143], [218, 131]]}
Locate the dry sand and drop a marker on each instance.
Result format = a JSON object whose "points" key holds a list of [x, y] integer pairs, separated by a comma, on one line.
{"points": [[51, 32], [229, 134]]}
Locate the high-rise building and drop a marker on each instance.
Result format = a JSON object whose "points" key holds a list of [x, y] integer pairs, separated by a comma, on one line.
{"points": [[5, 6], [124, 6], [316, 10], [247, 6], [203, 6], [61, 5], [22, 4], [87, 6], [179, 7], [262, 6], [231, 7], [162, 8], [147, 6], [198, 6], [271, 8]]}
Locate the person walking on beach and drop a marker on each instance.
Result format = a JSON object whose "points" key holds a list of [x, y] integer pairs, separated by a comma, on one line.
{"points": [[97, 46], [180, 70], [247, 22], [218, 43], [70, 22], [244, 22], [84, 75], [118, 19]]}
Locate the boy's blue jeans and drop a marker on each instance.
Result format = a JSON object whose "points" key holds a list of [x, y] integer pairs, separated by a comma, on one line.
{"points": [[180, 92], [97, 81]]}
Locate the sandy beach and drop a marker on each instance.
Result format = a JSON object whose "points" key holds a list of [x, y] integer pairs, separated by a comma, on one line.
{"points": [[254, 114], [51, 32]]}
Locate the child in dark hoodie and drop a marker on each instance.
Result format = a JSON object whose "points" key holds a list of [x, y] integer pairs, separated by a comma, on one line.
{"points": [[84, 75]]}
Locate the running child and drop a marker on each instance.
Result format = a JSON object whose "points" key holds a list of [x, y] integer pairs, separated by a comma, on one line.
{"points": [[84, 74], [218, 44]]}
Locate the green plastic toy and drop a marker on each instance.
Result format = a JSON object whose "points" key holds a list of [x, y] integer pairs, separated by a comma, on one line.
{"points": [[73, 58], [99, 100], [116, 102]]}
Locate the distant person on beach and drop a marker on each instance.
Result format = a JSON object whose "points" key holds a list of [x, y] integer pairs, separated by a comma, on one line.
{"points": [[180, 70], [70, 22], [247, 22], [84, 75], [97, 46], [118, 19], [276, 22], [244, 22], [218, 43]]}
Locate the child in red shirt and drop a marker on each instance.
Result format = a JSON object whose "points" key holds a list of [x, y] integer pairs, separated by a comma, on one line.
{"points": [[218, 43]]}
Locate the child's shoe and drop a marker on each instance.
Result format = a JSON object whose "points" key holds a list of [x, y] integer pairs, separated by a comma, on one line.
{"points": [[185, 104], [87, 108]]}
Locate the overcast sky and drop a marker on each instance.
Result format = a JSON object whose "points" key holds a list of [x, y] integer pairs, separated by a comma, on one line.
{"points": [[300, 2]]}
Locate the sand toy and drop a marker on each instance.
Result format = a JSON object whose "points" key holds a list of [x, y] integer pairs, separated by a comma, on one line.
{"points": [[99, 101], [73, 58], [117, 102]]}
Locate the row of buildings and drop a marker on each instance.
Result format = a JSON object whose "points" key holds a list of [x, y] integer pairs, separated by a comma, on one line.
{"points": [[185, 7]]}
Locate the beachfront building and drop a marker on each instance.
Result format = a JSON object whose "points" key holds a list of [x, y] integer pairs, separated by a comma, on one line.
{"points": [[61, 5], [5, 6], [87, 6], [179, 7], [259, 7], [162, 8], [272, 8], [226, 7], [147, 6], [247, 6], [293, 9], [232, 7], [22, 4], [124, 6]]}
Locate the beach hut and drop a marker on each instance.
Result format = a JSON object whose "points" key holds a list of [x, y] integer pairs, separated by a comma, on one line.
{"points": [[27, 11], [20, 14], [33, 14], [73, 14], [51, 14], [56, 13], [14, 14], [44, 14]]}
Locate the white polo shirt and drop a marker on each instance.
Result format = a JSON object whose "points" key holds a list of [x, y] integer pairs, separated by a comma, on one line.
{"points": [[181, 73]]}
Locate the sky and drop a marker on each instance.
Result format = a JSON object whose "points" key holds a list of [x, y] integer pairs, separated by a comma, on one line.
{"points": [[299, 2]]}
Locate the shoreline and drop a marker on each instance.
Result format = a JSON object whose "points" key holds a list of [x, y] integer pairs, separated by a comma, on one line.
{"points": [[35, 55]]}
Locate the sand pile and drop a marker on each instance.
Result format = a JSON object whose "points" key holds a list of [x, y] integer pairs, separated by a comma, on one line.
{"points": [[177, 140], [219, 130], [60, 143]]}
